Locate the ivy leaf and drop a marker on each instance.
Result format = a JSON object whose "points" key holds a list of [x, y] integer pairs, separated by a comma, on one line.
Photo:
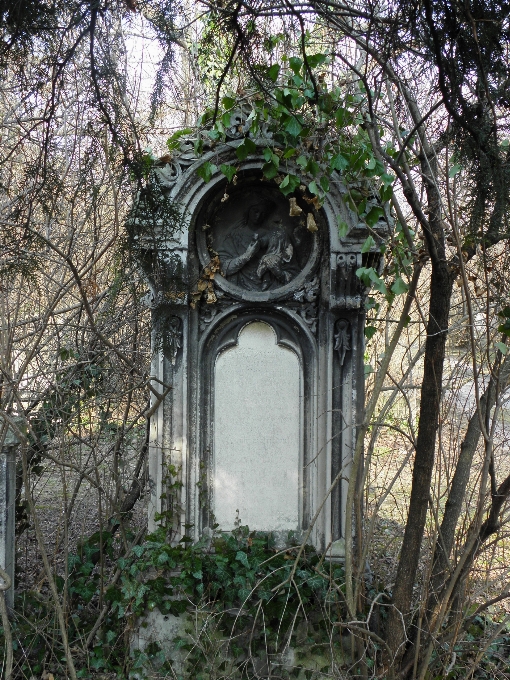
{"points": [[454, 170], [271, 157], [295, 64], [228, 170], [502, 347], [289, 153], [378, 283], [343, 227], [370, 331], [199, 146], [173, 142], [505, 328], [314, 189], [273, 72], [385, 192], [293, 126], [206, 171], [269, 170], [371, 163], [289, 184], [339, 162], [326, 102], [228, 102], [379, 168], [324, 182], [369, 243], [400, 286], [342, 117], [245, 149], [110, 635], [226, 119], [214, 134], [206, 117], [178, 607], [315, 60], [312, 167], [243, 558], [373, 216], [162, 558], [387, 179]]}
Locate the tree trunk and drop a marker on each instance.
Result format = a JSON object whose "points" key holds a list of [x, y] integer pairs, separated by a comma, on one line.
{"points": [[437, 328], [460, 479]]}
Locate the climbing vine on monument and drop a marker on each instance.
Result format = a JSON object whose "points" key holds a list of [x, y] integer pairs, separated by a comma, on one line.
{"points": [[310, 134]]}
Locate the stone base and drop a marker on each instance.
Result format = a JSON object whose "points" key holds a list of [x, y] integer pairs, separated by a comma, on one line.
{"points": [[336, 553], [164, 630]]}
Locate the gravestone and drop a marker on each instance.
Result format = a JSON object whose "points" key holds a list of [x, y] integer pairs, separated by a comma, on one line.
{"points": [[10, 442], [258, 325]]}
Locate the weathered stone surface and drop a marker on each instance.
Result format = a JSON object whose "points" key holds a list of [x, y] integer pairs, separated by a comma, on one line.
{"points": [[162, 630], [257, 425]]}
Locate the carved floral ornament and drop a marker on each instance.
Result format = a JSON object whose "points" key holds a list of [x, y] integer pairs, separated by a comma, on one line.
{"points": [[342, 339]]}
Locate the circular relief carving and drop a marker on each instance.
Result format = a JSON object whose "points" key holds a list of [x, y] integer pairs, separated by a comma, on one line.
{"points": [[261, 238]]}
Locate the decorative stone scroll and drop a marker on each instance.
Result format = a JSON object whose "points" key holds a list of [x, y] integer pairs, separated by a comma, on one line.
{"points": [[258, 320]]}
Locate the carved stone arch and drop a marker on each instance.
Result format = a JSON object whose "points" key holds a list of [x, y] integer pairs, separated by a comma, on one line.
{"points": [[188, 190], [291, 333]]}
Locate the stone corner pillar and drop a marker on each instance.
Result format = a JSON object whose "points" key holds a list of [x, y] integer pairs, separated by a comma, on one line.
{"points": [[7, 508]]}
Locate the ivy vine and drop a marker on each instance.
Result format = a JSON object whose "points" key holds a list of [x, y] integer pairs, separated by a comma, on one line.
{"points": [[310, 134]]}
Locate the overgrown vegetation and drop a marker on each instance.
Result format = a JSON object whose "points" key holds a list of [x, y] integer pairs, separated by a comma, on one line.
{"points": [[409, 102]]}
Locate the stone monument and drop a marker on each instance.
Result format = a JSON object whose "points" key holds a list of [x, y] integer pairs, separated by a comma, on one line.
{"points": [[258, 320]]}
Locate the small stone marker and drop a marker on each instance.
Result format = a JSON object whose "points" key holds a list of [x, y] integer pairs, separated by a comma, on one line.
{"points": [[7, 507]]}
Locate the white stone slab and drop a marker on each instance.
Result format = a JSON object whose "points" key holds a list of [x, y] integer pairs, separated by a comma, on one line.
{"points": [[257, 425]]}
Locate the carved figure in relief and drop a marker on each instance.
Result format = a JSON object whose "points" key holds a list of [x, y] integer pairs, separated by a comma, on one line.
{"points": [[258, 253], [342, 339], [346, 274], [171, 337], [279, 252]]}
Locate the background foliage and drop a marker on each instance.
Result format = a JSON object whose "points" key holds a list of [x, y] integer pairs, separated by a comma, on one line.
{"points": [[409, 102]]}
